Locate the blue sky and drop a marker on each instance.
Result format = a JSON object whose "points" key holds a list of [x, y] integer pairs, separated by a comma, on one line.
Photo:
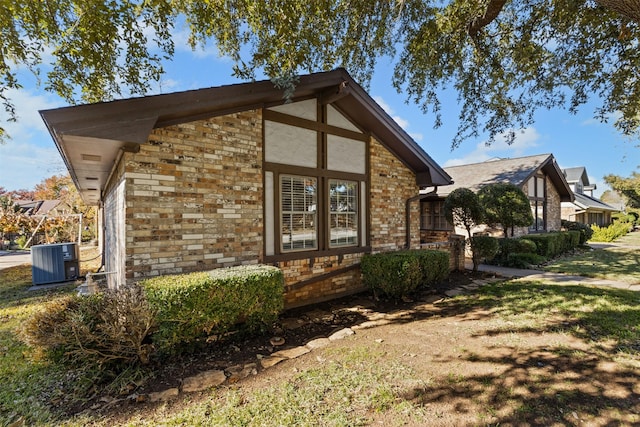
{"points": [[575, 140]]}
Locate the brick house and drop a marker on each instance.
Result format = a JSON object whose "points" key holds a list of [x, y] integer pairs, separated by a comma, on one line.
{"points": [[538, 176], [586, 208], [233, 175]]}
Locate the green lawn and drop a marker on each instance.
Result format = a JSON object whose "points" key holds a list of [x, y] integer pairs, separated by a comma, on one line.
{"points": [[358, 384], [610, 262]]}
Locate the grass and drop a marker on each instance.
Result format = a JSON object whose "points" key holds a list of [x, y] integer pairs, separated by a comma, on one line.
{"points": [[607, 318], [358, 384], [610, 262], [29, 388]]}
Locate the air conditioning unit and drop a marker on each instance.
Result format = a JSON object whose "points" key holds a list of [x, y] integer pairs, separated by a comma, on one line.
{"points": [[54, 263]]}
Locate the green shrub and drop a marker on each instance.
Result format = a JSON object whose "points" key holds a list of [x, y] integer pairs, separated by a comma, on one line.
{"points": [[108, 328], [484, 247], [585, 231], [508, 246], [550, 245], [190, 306], [610, 233], [399, 274], [524, 260]]}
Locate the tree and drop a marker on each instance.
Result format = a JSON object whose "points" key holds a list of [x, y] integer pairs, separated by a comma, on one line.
{"points": [[504, 59], [505, 205], [462, 208], [628, 187]]}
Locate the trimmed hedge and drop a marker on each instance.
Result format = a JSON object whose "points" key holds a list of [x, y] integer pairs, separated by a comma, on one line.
{"points": [[509, 246], [585, 231], [550, 245], [192, 305], [399, 274]]}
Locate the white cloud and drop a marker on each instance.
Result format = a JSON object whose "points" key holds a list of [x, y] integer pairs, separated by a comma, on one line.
{"points": [[30, 155], [525, 139], [404, 124]]}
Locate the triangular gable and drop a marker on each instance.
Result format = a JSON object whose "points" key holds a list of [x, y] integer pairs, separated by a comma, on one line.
{"points": [[515, 171], [90, 137]]}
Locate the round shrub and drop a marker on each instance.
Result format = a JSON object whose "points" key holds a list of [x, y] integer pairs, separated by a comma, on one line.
{"points": [[108, 328]]}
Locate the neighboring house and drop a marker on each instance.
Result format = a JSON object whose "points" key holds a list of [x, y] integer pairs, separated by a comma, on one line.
{"points": [[538, 176], [235, 175], [43, 207], [585, 208]]}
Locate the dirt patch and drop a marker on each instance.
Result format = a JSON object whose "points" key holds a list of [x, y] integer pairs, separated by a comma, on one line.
{"points": [[463, 366]]}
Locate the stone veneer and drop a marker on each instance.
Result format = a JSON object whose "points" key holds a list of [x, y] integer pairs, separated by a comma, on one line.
{"points": [[392, 184], [194, 197], [194, 201]]}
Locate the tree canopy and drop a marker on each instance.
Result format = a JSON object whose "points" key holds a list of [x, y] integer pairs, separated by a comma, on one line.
{"points": [[462, 208], [505, 205], [628, 187], [504, 59]]}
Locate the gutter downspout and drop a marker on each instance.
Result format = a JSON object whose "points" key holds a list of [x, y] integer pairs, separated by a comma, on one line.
{"points": [[410, 200]]}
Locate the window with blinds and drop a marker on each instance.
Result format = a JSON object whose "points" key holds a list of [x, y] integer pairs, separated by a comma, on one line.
{"points": [[343, 213], [298, 200]]}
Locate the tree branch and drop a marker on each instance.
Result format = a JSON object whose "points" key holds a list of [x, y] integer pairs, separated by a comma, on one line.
{"points": [[493, 10], [630, 9]]}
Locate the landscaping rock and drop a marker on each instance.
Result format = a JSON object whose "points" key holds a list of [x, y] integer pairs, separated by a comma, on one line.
{"points": [[318, 343], [292, 353], [343, 333], [203, 381], [270, 361]]}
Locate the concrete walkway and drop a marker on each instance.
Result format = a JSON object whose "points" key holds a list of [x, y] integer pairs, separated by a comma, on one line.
{"points": [[559, 278], [13, 258]]}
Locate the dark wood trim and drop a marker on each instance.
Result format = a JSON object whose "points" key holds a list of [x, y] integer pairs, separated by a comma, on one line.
{"points": [[293, 256], [315, 279], [276, 116], [313, 172]]}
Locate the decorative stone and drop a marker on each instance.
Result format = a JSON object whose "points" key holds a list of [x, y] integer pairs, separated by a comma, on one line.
{"points": [[292, 353], [454, 292], [270, 361], [318, 343], [163, 396], [277, 341], [238, 372], [203, 381], [341, 334]]}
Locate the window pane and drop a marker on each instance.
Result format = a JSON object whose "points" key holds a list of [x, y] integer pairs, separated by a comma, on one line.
{"points": [[343, 213], [540, 187], [298, 212]]}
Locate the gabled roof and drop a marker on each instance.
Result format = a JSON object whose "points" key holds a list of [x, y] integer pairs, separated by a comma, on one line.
{"points": [[516, 171], [37, 207], [577, 174], [585, 202], [90, 137]]}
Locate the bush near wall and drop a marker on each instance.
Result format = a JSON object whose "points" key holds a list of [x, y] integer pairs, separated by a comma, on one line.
{"points": [[585, 231], [509, 246], [101, 330], [399, 274], [550, 245], [610, 233], [484, 248], [191, 306]]}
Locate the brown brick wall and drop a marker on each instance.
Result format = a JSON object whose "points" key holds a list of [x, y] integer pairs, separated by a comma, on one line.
{"points": [[392, 183], [195, 202], [554, 208], [194, 197]]}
